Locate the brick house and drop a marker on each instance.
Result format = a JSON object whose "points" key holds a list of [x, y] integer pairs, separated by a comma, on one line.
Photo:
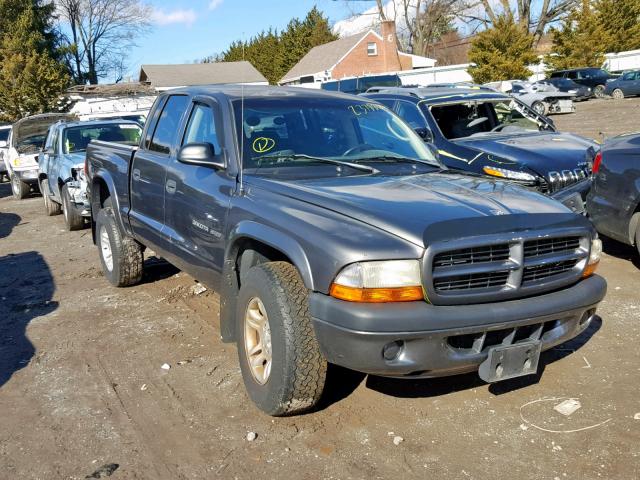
{"points": [[356, 55]]}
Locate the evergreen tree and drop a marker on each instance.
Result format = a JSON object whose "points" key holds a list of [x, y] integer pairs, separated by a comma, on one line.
{"points": [[502, 52], [580, 41], [621, 22], [30, 79], [272, 53]]}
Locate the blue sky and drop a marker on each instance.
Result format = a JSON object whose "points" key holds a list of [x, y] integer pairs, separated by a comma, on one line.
{"points": [[188, 30]]}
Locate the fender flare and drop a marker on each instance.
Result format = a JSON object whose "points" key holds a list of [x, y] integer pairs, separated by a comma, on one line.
{"points": [[105, 176]]}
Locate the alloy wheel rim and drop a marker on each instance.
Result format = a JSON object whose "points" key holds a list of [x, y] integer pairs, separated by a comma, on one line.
{"points": [[105, 249], [257, 340]]}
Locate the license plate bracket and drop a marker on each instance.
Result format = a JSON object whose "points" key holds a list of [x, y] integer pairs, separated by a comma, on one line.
{"points": [[510, 361]]}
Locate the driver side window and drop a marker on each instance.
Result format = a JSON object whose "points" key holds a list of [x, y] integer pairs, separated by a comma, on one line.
{"points": [[201, 127]]}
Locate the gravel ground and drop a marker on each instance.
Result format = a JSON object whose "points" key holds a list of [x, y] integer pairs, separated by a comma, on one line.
{"points": [[83, 394]]}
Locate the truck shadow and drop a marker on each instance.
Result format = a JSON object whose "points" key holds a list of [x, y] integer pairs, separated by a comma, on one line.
{"points": [[620, 250], [345, 382], [26, 289], [8, 221], [156, 269], [5, 190]]}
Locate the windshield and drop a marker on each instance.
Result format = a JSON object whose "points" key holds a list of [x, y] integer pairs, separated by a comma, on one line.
{"points": [[76, 139], [32, 144], [460, 120], [287, 132]]}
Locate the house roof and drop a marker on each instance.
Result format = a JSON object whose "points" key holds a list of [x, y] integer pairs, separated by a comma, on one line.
{"points": [[185, 75], [323, 57]]}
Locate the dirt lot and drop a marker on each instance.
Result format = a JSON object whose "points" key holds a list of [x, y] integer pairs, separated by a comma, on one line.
{"points": [[83, 394]]}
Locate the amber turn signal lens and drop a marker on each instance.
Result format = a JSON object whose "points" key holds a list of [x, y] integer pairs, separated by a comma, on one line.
{"points": [[590, 269], [376, 295]]}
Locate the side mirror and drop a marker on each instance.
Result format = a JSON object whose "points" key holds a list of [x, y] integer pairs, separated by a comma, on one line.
{"points": [[426, 134], [202, 154]]}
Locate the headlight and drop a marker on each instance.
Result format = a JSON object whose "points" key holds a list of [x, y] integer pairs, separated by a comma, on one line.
{"points": [[509, 174], [379, 282], [594, 258]]}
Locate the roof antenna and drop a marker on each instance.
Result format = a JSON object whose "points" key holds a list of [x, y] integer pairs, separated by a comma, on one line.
{"points": [[241, 174]]}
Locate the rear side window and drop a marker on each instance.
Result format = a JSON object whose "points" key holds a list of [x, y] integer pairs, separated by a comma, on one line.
{"points": [[166, 131], [202, 128], [4, 135]]}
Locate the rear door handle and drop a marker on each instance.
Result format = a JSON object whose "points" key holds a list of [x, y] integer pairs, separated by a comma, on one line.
{"points": [[170, 186]]}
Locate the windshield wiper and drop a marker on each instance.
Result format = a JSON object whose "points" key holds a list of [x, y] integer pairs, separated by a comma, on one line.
{"points": [[302, 156], [393, 158]]}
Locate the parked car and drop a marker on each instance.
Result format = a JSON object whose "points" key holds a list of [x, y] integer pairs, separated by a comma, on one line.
{"points": [[333, 234], [61, 164], [489, 133], [595, 78], [4, 149], [627, 85], [614, 201], [25, 142], [542, 99], [567, 85]]}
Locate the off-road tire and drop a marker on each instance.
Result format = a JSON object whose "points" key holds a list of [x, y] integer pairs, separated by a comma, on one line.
{"points": [[298, 370], [51, 208], [617, 94], [598, 91], [540, 108], [638, 238], [19, 189], [127, 258], [72, 217]]}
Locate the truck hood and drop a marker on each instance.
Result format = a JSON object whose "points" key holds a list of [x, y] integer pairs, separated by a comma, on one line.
{"points": [[407, 205], [539, 152]]}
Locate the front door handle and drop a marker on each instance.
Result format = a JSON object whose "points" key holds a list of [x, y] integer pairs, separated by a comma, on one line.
{"points": [[170, 186], [136, 174]]}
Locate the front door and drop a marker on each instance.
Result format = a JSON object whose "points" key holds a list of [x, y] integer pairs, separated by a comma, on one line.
{"points": [[148, 171], [197, 199]]}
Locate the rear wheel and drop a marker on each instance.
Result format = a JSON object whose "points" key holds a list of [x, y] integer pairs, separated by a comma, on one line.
{"points": [[282, 367], [72, 217], [19, 188], [617, 94], [540, 108], [598, 91], [51, 208], [120, 256]]}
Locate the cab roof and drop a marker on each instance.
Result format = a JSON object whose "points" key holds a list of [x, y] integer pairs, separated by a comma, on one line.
{"points": [[437, 95], [236, 92]]}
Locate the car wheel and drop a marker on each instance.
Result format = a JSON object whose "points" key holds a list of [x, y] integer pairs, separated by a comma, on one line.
{"points": [[539, 107], [617, 94], [19, 188], [120, 256], [72, 218], [283, 369], [638, 238], [51, 208], [598, 91]]}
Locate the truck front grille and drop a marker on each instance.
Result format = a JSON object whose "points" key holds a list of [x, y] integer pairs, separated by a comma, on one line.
{"points": [[499, 270]]}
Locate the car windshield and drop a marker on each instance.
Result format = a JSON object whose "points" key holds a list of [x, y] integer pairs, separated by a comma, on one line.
{"points": [[324, 133], [32, 144], [460, 120], [76, 139]]}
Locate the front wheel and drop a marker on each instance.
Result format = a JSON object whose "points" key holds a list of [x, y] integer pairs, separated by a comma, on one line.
{"points": [[120, 256], [638, 238], [282, 367], [72, 217], [598, 91], [19, 188], [617, 94]]}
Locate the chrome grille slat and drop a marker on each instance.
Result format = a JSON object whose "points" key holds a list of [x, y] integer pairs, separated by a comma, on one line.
{"points": [[489, 253]]}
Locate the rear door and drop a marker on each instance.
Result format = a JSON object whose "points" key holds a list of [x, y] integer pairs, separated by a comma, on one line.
{"points": [[148, 172], [197, 198]]}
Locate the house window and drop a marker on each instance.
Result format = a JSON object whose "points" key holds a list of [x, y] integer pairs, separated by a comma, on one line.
{"points": [[372, 49]]}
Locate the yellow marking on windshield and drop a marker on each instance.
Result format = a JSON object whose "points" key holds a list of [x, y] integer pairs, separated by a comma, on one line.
{"points": [[364, 108], [451, 155], [263, 144]]}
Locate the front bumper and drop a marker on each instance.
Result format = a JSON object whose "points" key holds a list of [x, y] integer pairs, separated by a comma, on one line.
{"points": [[574, 196], [78, 195], [27, 175], [437, 341]]}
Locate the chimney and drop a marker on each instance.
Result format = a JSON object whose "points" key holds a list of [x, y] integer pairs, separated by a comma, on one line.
{"points": [[390, 46]]}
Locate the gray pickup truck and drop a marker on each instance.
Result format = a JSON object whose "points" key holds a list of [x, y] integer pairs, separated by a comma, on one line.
{"points": [[334, 234]]}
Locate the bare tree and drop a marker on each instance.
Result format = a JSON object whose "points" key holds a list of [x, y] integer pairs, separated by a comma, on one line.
{"points": [[101, 33], [534, 15]]}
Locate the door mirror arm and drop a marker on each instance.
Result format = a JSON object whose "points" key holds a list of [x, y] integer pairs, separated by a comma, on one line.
{"points": [[201, 154], [425, 133]]}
